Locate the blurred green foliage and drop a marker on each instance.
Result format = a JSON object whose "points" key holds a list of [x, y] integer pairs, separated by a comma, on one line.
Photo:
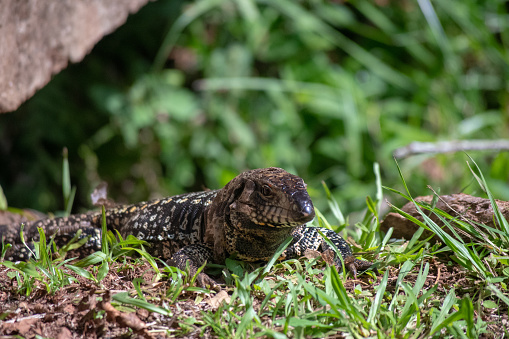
{"points": [[188, 94]]}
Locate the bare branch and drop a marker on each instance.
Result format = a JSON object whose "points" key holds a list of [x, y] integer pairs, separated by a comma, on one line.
{"points": [[450, 146]]}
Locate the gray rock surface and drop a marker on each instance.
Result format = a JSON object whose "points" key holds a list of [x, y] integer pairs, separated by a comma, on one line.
{"points": [[39, 37]]}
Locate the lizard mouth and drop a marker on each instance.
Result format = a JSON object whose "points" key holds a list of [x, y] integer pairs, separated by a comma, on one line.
{"points": [[300, 211], [277, 217]]}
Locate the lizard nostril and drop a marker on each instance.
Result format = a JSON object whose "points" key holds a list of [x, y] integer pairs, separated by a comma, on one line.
{"points": [[303, 206], [307, 210]]}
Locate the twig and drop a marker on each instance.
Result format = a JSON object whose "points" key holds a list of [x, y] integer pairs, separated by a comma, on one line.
{"points": [[17, 320], [438, 276], [450, 146]]}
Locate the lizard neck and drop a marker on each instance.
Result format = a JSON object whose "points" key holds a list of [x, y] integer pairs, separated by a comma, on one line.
{"points": [[257, 243], [217, 215]]}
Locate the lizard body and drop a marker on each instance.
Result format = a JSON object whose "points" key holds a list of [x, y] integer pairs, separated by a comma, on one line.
{"points": [[249, 218]]}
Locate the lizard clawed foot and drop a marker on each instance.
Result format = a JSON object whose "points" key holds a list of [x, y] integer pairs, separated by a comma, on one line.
{"points": [[355, 265], [204, 281]]}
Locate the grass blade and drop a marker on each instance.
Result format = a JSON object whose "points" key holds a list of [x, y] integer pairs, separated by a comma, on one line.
{"points": [[3, 200], [333, 205], [105, 246], [124, 298], [276, 255], [68, 191], [377, 302], [502, 222]]}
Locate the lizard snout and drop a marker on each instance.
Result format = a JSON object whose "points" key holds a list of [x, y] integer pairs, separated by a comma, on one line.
{"points": [[303, 207]]}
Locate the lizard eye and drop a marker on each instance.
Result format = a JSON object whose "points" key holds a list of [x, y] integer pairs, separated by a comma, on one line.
{"points": [[266, 190]]}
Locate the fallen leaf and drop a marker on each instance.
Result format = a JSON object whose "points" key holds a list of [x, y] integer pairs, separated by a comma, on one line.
{"points": [[99, 196], [22, 327], [215, 301], [64, 333], [311, 254]]}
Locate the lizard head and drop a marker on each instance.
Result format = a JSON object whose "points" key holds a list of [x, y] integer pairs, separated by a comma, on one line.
{"points": [[253, 214], [269, 198]]}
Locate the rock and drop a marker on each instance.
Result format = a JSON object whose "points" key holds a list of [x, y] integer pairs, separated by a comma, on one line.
{"points": [[39, 37], [472, 208]]}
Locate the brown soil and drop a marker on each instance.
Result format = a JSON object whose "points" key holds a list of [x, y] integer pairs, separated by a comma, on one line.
{"points": [[83, 309]]}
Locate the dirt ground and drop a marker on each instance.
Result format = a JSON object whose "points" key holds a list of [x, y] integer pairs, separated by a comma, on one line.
{"points": [[83, 309]]}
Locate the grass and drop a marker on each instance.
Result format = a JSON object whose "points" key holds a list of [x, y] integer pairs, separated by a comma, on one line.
{"points": [[306, 297], [43, 268]]}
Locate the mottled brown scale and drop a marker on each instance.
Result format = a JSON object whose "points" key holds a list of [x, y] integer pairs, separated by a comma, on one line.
{"points": [[249, 219]]}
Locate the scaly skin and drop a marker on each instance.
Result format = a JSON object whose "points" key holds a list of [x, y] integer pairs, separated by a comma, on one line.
{"points": [[249, 218]]}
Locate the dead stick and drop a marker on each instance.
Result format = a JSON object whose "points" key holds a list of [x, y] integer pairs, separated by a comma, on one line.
{"points": [[450, 146]]}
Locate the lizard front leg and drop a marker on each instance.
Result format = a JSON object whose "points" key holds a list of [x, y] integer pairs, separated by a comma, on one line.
{"points": [[308, 238], [197, 255]]}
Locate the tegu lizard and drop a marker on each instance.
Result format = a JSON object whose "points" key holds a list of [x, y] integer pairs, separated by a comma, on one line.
{"points": [[249, 218]]}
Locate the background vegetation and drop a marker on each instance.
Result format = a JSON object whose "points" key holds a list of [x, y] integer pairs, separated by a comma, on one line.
{"points": [[187, 94]]}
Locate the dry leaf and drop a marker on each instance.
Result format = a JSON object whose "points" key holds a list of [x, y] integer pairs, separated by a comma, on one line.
{"points": [[311, 254], [99, 196], [215, 301], [64, 333]]}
